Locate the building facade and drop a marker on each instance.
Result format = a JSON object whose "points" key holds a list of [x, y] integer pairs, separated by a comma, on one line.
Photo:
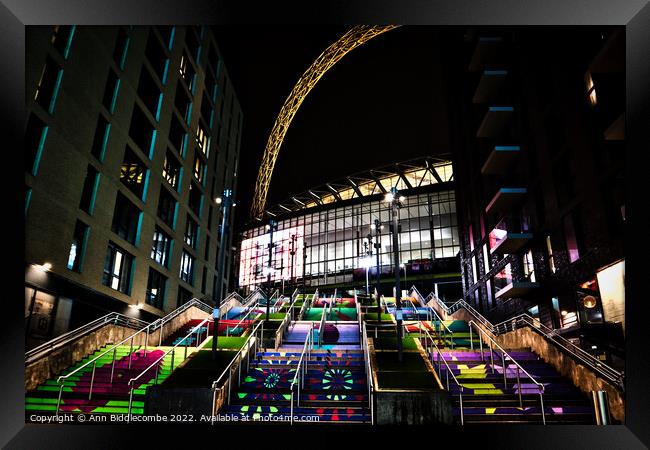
{"points": [[322, 235], [539, 157], [131, 135]]}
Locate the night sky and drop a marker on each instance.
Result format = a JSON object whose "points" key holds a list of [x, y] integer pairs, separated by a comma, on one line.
{"points": [[382, 103]]}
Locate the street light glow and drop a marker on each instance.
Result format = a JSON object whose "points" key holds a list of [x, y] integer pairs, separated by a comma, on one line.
{"points": [[389, 197], [218, 200]]}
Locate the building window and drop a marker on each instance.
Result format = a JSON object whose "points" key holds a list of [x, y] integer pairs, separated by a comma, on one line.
{"points": [[195, 200], [191, 232], [161, 247], [102, 131], [157, 57], [111, 90], [78, 246], [142, 131], [117, 269], [167, 33], [121, 48], [133, 173], [89, 192], [210, 85], [551, 257], [591, 89], [203, 139], [572, 245], [48, 85], [150, 93], [62, 38], [184, 296], [126, 219], [193, 44], [178, 135], [156, 289], [35, 135], [187, 72], [187, 268], [207, 109], [172, 170], [529, 266], [183, 103], [167, 207], [207, 248], [199, 168]]}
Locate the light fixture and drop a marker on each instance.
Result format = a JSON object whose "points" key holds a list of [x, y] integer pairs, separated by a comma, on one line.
{"points": [[43, 267], [372, 226], [401, 265], [135, 306], [564, 313], [589, 301], [218, 200], [234, 204], [389, 197], [402, 198]]}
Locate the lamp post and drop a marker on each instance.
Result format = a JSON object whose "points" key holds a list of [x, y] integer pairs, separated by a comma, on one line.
{"points": [[403, 266], [226, 202], [367, 260], [304, 268], [272, 226], [377, 226], [395, 201], [292, 252]]}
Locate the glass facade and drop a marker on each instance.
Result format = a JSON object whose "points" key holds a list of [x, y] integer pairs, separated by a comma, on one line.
{"points": [[335, 239]]}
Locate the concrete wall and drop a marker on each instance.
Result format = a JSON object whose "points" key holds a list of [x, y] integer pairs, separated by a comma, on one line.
{"points": [[412, 407], [60, 359], [176, 400]]}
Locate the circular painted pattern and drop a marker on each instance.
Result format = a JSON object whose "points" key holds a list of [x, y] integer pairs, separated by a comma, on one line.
{"points": [[271, 380], [338, 379]]}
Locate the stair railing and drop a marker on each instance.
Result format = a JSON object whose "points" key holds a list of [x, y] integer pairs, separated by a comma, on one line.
{"points": [[279, 333], [73, 335], [321, 326], [61, 380], [607, 372], [252, 345], [369, 378], [250, 310], [358, 307], [429, 345], [159, 362], [160, 323], [586, 358], [298, 381], [492, 343], [253, 296]]}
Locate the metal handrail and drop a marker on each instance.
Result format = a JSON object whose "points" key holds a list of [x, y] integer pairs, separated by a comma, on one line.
{"points": [[197, 329], [369, 378], [504, 354], [279, 333], [432, 312], [306, 309], [237, 358], [441, 357], [252, 296], [300, 369], [250, 310], [614, 376], [61, 379], [64, 339], [608, 372], [323, 320]]}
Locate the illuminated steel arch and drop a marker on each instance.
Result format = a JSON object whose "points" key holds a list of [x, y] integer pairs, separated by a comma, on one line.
{"points": [[355, 37]]}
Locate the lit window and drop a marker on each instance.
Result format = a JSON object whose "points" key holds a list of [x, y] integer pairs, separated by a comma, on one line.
{"points": [[551, 258], [133, 173], [199, 168], [591, 89], [75, 257], [171, 170], [191, 232], [529, 267], [156, 289], [187, 268], [161, 247], [202, 139], [117, 269]]}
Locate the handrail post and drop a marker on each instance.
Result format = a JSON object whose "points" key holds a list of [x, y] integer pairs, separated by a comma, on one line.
{"points": [[146, 342], [160, 333], [113, 363], [131, 353], [58, 402], [130, 404], [173, 351], [481, 343], [503, 365], [462, 418], [471, 337], [92, 381], [521, 404], [541, 401]]}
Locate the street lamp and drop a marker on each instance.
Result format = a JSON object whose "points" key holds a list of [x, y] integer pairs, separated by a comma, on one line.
{"points": [[377, 226], [225, 203], [366, 261], [395, 201], [271, 227], [403, 266]]}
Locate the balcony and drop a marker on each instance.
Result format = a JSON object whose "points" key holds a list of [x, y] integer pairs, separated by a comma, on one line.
{"points": [[500, 159], [494, 121], [505, 199], [516, 289], [507, 242], [489, 86], [488, 50]]}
